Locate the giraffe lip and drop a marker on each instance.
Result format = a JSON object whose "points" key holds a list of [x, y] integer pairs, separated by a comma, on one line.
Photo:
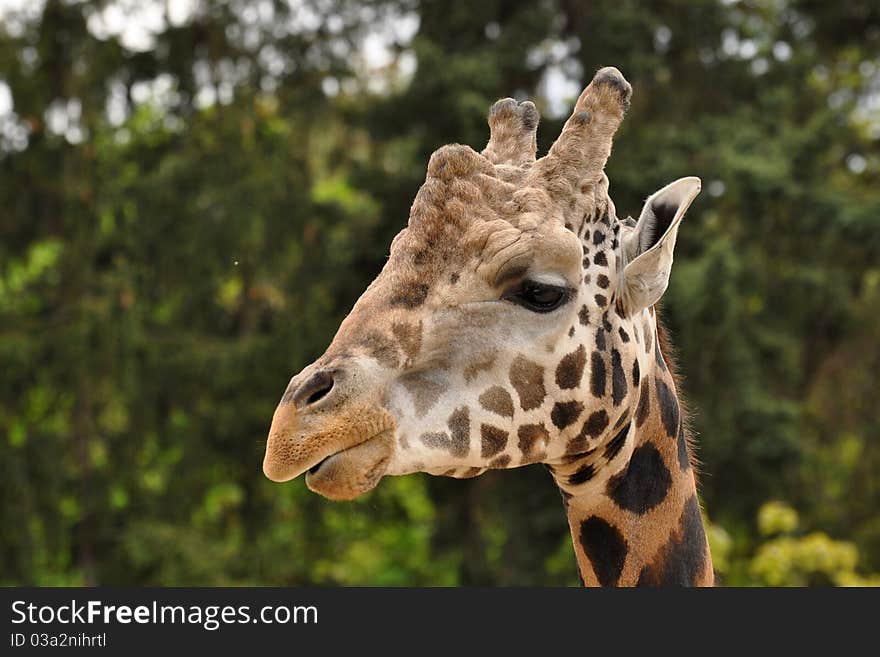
{"points": [[314, 469], [350, 472]]}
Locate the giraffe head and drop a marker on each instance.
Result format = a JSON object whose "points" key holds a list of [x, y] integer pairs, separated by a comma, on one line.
{"points": [[508, 324]]}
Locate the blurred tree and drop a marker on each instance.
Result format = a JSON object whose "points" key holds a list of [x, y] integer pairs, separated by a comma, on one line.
{"points": [[788, 560]]}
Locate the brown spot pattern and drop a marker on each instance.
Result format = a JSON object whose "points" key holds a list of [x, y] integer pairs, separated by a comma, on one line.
{"points": [[613, 447], [584, 316], [436, 439], [409, 295], [592, 428], [459, 424], [597, 375], [494, 440], [570, 370], [424, 391], [382, 348], [564, 414], [480, 364], [497, 400], [600, 339], [409, 337], [532, 440], [682, 560], [527, 379], [458, 444], [644, 406]]}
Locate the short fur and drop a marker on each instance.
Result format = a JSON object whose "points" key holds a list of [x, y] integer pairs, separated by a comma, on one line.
{"points": [[443, 366]]}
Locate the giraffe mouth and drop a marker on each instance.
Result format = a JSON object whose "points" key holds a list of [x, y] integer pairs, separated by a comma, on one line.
{"points": [[351, 472]]}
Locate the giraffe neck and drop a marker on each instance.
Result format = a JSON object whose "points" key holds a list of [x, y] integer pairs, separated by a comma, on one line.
{"points": [[641, 524]]}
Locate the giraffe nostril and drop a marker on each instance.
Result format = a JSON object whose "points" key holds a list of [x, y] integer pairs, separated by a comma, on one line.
{"points": [[314, 389], [319, 394]]}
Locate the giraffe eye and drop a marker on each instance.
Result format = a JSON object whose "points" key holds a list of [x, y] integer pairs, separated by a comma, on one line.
{"points": [[539, 297]]}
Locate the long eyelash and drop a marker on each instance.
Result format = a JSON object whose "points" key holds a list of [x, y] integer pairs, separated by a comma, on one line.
{"points": [[517, 296]]}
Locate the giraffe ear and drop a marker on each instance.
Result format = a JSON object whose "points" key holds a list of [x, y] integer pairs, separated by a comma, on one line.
{"points": [[647, 250]]}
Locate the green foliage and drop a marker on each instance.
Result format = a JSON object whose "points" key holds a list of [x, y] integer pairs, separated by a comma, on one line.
{"points": [[188, 219], [776, 518], [815, 558]]}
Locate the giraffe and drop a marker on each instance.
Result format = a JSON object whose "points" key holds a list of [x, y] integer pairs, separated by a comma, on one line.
{"points": [[515, 322]]}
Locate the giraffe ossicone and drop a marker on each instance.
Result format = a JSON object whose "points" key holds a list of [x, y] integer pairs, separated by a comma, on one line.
{"points": [[514, 323]]}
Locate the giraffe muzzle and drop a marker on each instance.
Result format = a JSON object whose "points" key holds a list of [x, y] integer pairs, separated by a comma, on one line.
{"points": [[344, 448], [353, 471]]}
